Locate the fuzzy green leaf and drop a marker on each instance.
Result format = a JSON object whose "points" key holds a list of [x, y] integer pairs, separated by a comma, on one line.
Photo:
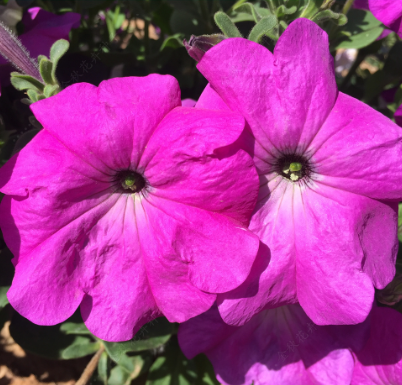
{"points": [[3, 296], [33, 95], [174, 41], [51, 90], [58, 49], [249, 9], [82, 347], [103, 368], [46, 69], [263, 27], [150, 336], [74, 328], [226, 25], [25, 82]]}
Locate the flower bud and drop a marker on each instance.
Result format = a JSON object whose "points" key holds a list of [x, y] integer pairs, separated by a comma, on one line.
{"points": [[13, 50], [198, 45]]}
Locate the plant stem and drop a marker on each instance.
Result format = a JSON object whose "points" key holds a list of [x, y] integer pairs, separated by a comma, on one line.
{"points": [[347, 6], [90, 368]]}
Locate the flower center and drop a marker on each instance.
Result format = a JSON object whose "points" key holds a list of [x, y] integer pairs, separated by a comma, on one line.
{"points": [[129, 182], [293, 167]]}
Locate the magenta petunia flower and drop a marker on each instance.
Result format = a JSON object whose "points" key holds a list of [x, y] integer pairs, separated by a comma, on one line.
{"points": [[283, 346], [127, 206], [330, 177]]}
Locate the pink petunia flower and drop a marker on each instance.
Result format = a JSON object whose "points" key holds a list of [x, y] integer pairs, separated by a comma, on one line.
{"points": [[127, 206], [330, 177], [283, 346]]}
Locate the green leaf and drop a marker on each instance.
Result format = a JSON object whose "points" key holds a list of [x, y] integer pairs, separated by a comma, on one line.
{"points": [[361, 40], [25, 82], [33, 95], [282, 10], [132, 365], [118, 376], [50, 341], [263, 27], [103, 368], [58, 49], [130, 370], [174, 41], [3, 296], [338, 18], [150, 336], [82, 346], [226, 25], [249, 9], [173, 368], [205, 370], [46, 69], [40, 57], [74, 328], [310, 9], [51, 90], [363, 28]]}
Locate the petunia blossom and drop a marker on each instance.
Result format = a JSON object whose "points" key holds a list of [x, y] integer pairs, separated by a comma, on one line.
{"points": [[283, 346], [330, 178], [128, 207]]}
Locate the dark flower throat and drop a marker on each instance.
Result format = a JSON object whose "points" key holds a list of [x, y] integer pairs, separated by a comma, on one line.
{"points": [[129, 182]]}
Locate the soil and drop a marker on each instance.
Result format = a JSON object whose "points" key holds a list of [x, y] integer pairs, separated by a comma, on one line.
{"points": [[18, 367]]}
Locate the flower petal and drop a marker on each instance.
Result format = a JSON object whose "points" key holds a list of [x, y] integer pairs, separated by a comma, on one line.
{"points": [[190, 251], [272, 281], [285, 98], [43, 28], [118, 297], [278, 346], [193, 159], [55, 187], [210, 100], [380, 361], [111, 124], [47, 285], [359, 150], [337, 250]]}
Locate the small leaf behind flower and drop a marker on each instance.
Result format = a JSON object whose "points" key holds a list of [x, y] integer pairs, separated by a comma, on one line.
{"points": [[25, 82], [150, 336], [264, 27]]}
